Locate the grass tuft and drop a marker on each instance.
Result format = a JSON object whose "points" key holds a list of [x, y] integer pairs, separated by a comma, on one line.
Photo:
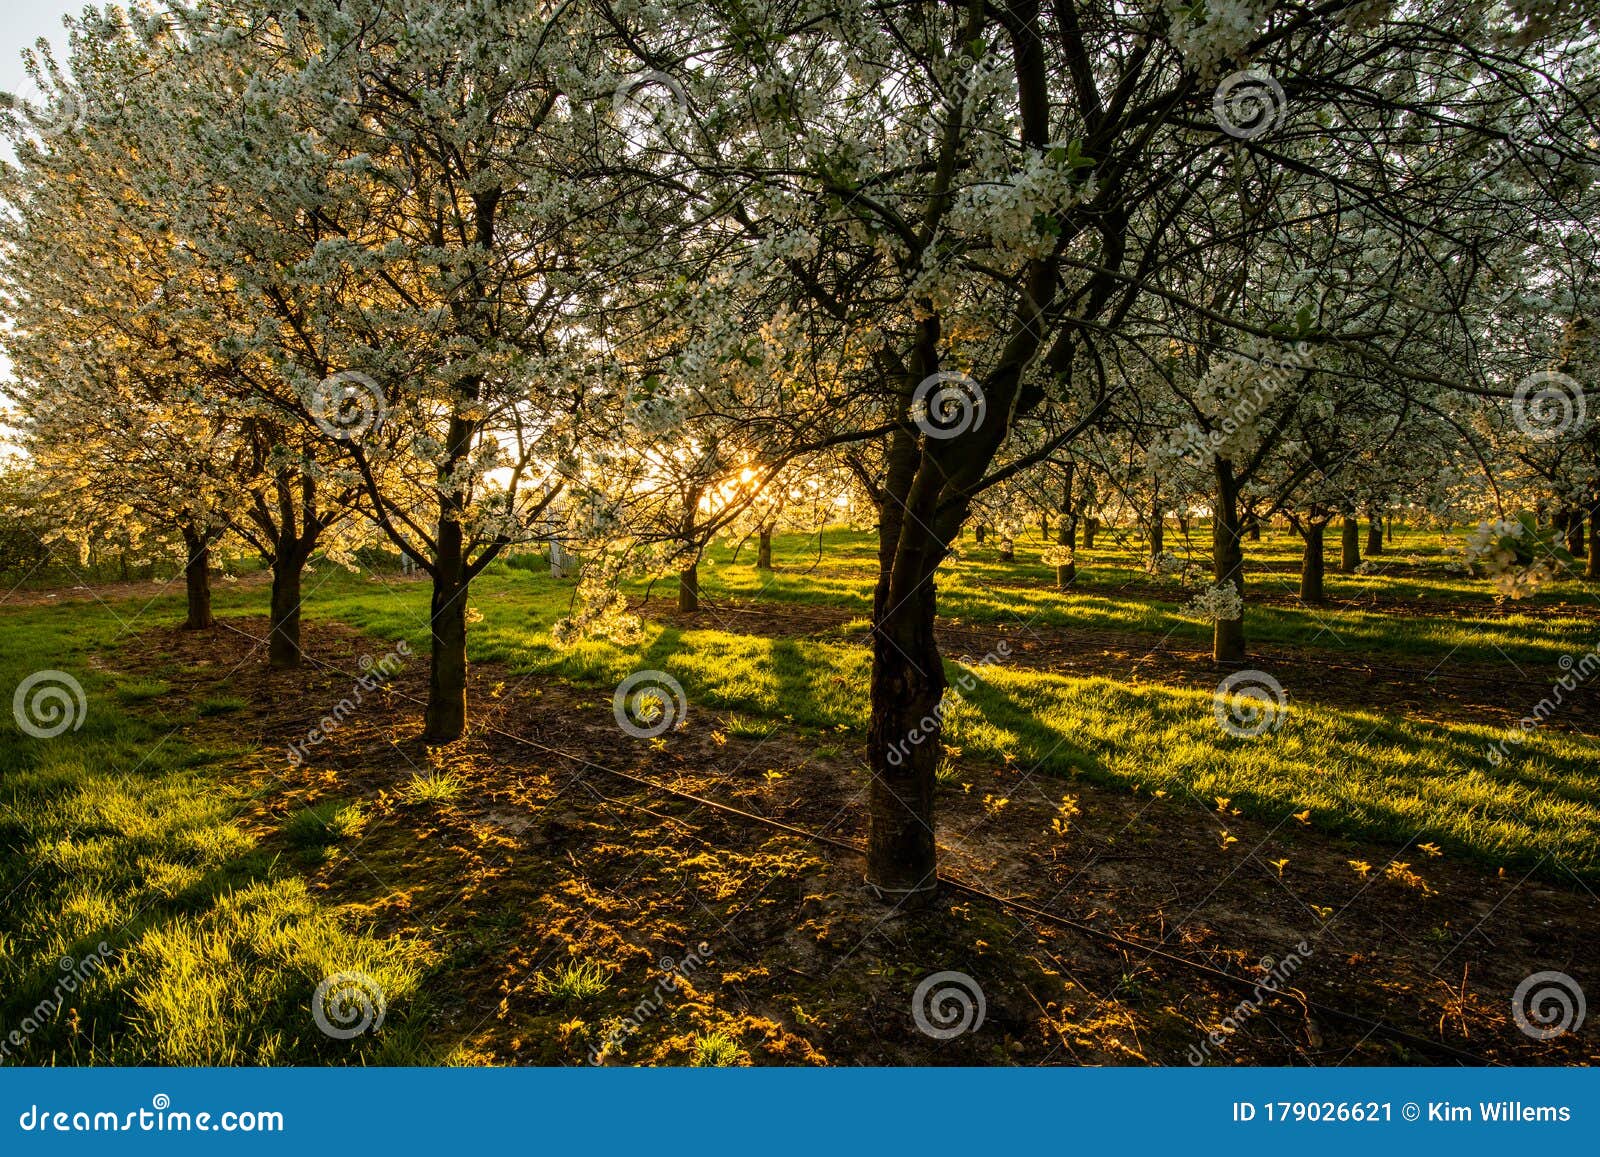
{"points": [[574, 981]]}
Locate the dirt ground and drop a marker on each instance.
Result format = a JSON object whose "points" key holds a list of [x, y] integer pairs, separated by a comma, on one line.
{"points": [[551, 854]]}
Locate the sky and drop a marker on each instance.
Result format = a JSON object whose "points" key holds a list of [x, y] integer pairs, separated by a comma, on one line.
{"points": [[21, 23]]}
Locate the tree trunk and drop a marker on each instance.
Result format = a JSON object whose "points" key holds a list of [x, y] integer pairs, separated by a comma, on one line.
{"points": [[764, 551], [1350, 546], [1067, 531], [689, 588], [904, 737], [1158, 530], [197, 580], [1593, 570], [1090, 525], [977, 534], [283, 635], [1008, 550], [1374, 536], [1253, 528], [1312, 565], [447, 678], [1575, 533], [1227, 637]]}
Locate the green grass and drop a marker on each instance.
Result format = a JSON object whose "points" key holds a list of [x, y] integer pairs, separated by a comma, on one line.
{"points": [[325, 824], [976, 587], [1361, 772], [433, 787], [123, 832], [716, 1050], [126, 830], [575, 980]]}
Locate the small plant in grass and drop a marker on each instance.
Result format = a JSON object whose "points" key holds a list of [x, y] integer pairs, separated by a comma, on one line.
{"points": [[716, 1050], [1065, 814], [325, 824], [575, 980], [220, 705], [432, 787]]}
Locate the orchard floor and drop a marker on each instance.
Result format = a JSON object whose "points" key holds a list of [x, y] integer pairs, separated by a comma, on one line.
{"points": [[480, 883]]}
